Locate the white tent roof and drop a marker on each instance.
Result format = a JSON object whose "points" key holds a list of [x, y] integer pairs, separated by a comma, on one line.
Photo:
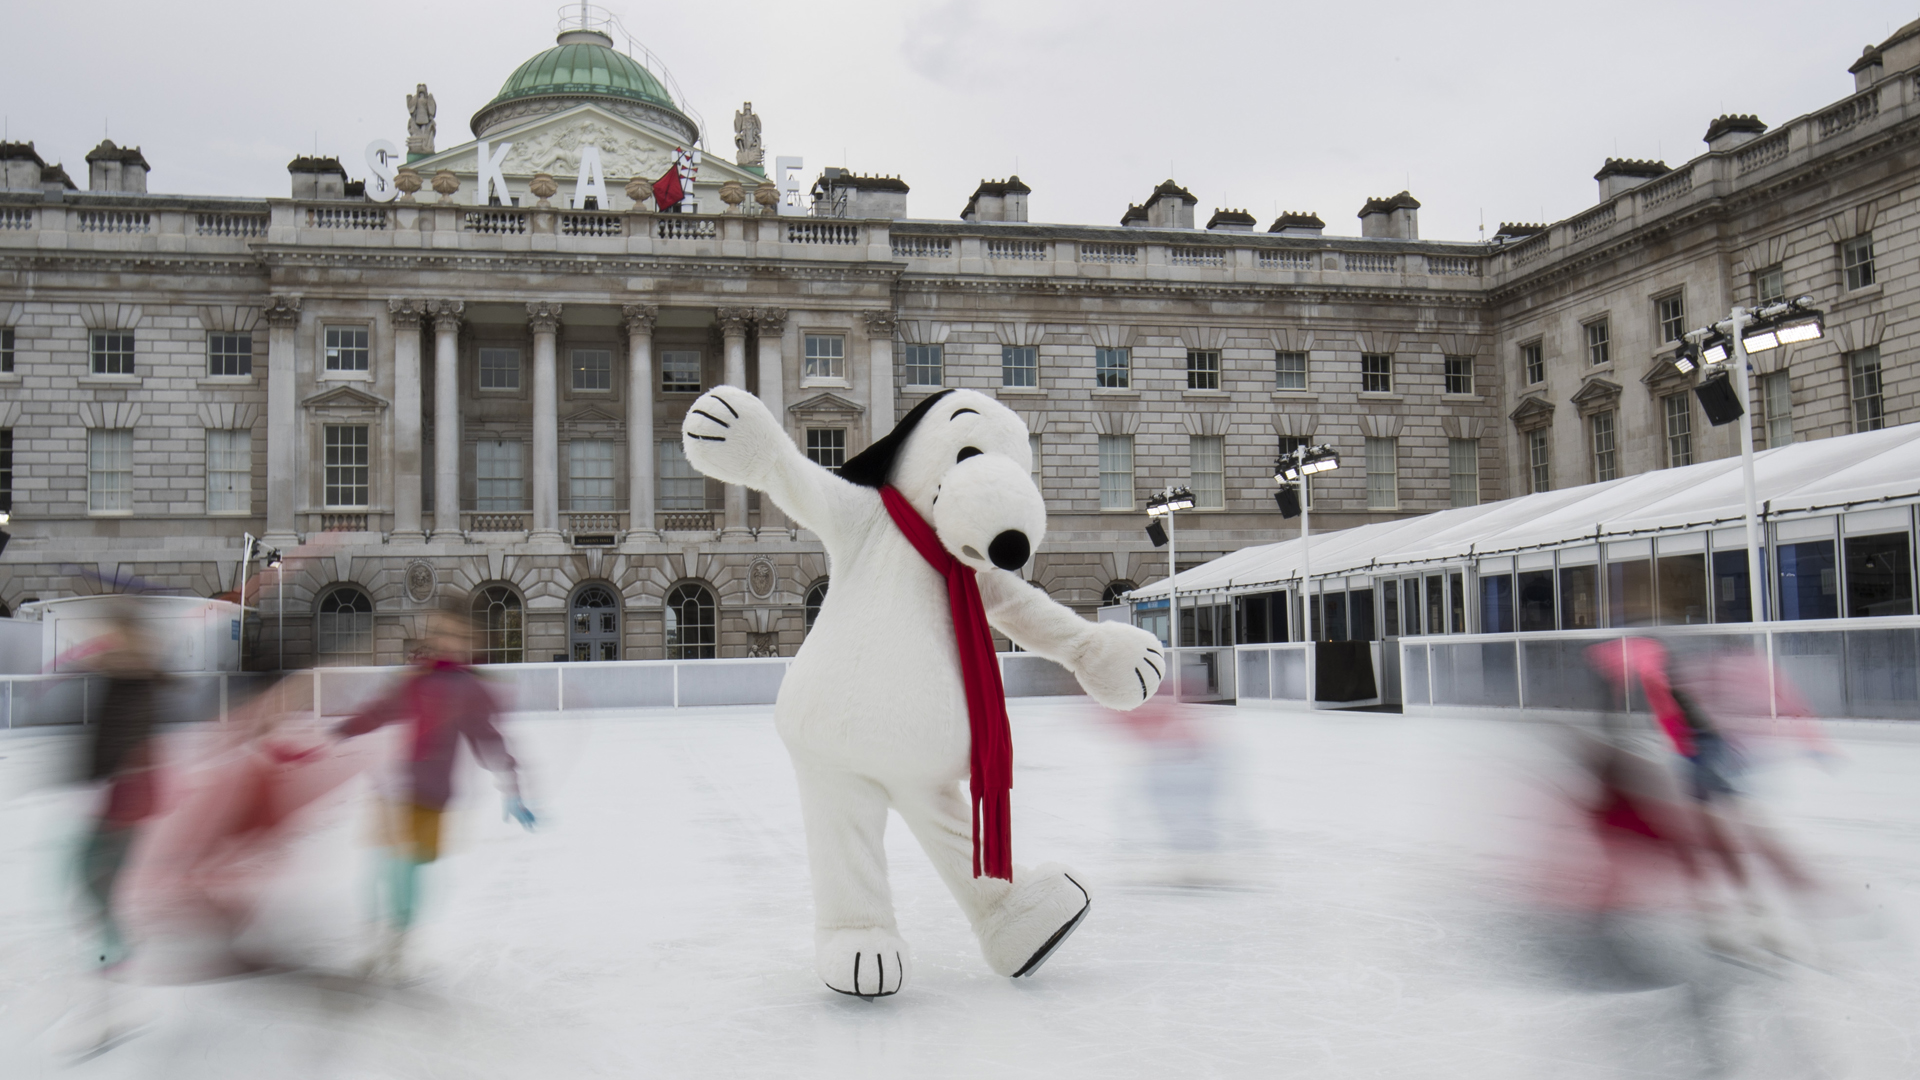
{"points": [[1871, 467]]}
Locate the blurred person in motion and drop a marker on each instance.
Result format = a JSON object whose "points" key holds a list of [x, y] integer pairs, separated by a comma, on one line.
{"points": [[1180, 777], [440, 700]]}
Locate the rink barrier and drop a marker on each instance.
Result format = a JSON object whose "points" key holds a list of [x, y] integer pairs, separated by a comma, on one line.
{"points": [[28, 701]]}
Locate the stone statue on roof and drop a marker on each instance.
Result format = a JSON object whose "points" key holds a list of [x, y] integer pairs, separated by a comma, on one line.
{"points": [[746, 137], [420, 126]]}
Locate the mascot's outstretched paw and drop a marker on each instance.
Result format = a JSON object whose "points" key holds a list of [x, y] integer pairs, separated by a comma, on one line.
{"points": [[863, 963], [1044, 906], [731, 436], [1121, 666]]}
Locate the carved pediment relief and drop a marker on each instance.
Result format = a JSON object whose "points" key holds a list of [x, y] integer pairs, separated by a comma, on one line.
{"points": [[1531, 413], [1662, 377], [596, 418], [344, 399], [826, 405], [1596, 395]]}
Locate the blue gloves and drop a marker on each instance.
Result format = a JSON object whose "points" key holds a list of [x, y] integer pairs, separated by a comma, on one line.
{"points": [[517, 810]]}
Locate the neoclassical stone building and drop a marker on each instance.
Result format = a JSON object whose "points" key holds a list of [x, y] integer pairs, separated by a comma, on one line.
{"points": [[474, 389]]}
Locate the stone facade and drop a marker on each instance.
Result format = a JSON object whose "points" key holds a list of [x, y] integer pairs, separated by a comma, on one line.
{"points": [[498, 336]]}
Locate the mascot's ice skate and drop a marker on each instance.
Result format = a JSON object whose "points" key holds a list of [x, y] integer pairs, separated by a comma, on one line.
{"points": [[895, 698]]}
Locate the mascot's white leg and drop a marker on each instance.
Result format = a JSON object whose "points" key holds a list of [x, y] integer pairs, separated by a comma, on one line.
{"points": [[857, 946], [1019, 923]]}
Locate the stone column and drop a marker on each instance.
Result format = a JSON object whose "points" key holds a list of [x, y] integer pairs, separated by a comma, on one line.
{"points": [[769, 325], [733, 333], [284, 483], [406, 316], [880, 326], [446, 417], [639, 322], [543, 319]]}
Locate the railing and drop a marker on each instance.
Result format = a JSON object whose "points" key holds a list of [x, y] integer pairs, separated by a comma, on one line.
{"points": [[593, 521], [343, 523], [685, 521], [1666, 189], [1858, 110], [230, 224], [1452, 266], [1110, 253], [1368, 262], [592, 225], [16, 217], [1530, 250], [472, 521], [922, 247], [1760, 153], [1016, 249], [496, 222], [1285, 260], [676, 227], [346, 217], [1197, 256], [822, 232], [1593, 222], [112, 221]]}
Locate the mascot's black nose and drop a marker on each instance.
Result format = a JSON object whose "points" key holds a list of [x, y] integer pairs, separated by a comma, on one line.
{"points": [[1009, 550]]}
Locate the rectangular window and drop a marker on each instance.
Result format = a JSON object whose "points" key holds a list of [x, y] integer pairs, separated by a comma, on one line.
{"points": [[681, 487], [229, 471], [1769, 285], [826, 356], [592, 369], [500, 475], [1116, 472], [1383, 474], [6, 468], [590, 475], [1534, 362], [1287, 445], [112, 352], [1856, 258], [1879, 575], [1459, 374], [499, 369], [346, 348], [347, 465], [6, 349], [110, 470], [1033, 450], [827, 447], [1206, 465], [925, 365], [1539, 461], [680, 371], [1113, 368], [1869, 407], [1376, 373], [1289, 371], [1606, 457], [1463, 471], [1776, 391], [1203, 369], [229, 354], [1019, 365], [1678, 411], [1670, 313], [1599, 342]]}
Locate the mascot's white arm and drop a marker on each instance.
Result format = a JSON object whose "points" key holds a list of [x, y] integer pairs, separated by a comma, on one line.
{"points": [[1120, 666], [733, 437]]}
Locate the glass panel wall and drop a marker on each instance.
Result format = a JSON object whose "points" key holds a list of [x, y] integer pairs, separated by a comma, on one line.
{"points": [[1496, 603], [1879, 575], [1360, 615], [1533, 593], [1630, 583], [1680, 585], [1809, 581]]}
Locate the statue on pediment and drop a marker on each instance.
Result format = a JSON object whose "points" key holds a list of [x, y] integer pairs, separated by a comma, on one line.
{"points": [[421, 129], [746, 137]]}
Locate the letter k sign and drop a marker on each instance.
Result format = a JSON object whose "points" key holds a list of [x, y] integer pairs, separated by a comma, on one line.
{"points": [[490, 173]]}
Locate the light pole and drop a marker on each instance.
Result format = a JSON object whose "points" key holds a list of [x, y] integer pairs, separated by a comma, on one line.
{"points": [[1291, 472], [279, 604], [1163, 504], [1742, 332]]}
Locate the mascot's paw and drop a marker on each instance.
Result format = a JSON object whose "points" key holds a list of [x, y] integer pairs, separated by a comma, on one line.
{"points": [[730, 436], [1043, 907], [1121, 666], [863, 963]]}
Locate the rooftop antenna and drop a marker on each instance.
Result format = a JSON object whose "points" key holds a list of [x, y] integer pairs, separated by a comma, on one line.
{"points": [[607, 23], [1483, 224]]}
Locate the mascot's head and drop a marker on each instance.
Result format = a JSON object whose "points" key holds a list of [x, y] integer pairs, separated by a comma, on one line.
{"points": [[962, 459]]}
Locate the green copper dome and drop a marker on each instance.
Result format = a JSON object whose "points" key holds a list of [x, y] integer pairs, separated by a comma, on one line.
{"points": [[584, 63]]}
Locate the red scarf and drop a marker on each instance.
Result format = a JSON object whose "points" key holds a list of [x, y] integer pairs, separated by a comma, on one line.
{"points": [[991, 782]]}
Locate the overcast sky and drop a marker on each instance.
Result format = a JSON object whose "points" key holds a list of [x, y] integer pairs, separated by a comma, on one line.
{"points": [[1485, 110]]}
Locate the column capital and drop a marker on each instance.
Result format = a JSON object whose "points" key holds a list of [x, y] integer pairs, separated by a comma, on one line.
{"points": [[770, 321], [543, 316], [282, 311], [447, 314], [407, 313], [733, 321], [639, 318]]}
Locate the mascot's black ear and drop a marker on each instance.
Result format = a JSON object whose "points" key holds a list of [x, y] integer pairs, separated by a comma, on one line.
{"points": [[873, 467]]}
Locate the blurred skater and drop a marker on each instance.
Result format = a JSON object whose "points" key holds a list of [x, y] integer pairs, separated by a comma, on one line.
{"points": [[440, 700], [1180, 776]]}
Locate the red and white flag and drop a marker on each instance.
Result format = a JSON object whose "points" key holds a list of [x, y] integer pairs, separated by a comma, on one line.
{"points": [[676, 183]]}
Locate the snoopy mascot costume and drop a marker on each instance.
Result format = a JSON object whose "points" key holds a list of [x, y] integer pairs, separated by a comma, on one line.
{"points": [[895, 699]]}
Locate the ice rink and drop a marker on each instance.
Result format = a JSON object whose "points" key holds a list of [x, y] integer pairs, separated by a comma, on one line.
{"points": [[1372, 911]]}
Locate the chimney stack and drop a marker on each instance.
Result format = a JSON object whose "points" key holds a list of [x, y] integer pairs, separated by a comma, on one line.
{"points": [[116, 168], [1397, 218], [1731, 130], [1231, 221], [998, 200], [1620, 174], [1294, 223]]}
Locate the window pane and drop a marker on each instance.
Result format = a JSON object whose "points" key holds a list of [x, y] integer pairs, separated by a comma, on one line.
{"points": [[498, 619], [690, 623], [1869, 407], [229, 471], [1208, 472], [1203, 369], [1879, 575], [1683, 589], [1630, 592], [1113, 368], [1463, 471], [1579, 597], [1534, 361], [1606, 461], [1116, 472], [6, 468], [827, 447], [680, 371], [1289, 371], [499, 476], [343, 629], [1383, 474], [110, 469], [1019, 365], [229, 354], [346, 466], [1376, 373], [1539, 460], [826, 356], [1679, 421], [680, 487], [1809, 581], [499, 369], [1777, 393], [1671, 314], [592, 369], [1533, 595], [6, 349], [1496, 604], [924, 365], [1033, 450], [1730, 600], [112, 352], [1459, 374], [1770, 284], [1856, 256], [590, 474], [1599, 342], [346, 348]]}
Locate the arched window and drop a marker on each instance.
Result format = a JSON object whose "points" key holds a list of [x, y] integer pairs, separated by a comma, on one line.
{"points": [[690, 623], [343, 628], [1112, 593], [497, 622], [593, 624], [816, 595]]}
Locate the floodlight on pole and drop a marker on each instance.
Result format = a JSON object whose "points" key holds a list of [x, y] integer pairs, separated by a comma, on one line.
{"points": [[1290, 470], [1165, 504]]}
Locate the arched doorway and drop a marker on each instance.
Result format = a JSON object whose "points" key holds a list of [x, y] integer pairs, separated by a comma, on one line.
{"points": [[691, 625], [497, 623], [816, 596], [343, 628], [593, 624], [1114, 591]]}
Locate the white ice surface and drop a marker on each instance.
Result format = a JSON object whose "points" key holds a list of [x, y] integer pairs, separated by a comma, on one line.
{"points": [[1363, 921]]}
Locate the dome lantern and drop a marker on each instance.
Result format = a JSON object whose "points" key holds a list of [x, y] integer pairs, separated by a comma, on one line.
{"points": [[584, 66]]}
